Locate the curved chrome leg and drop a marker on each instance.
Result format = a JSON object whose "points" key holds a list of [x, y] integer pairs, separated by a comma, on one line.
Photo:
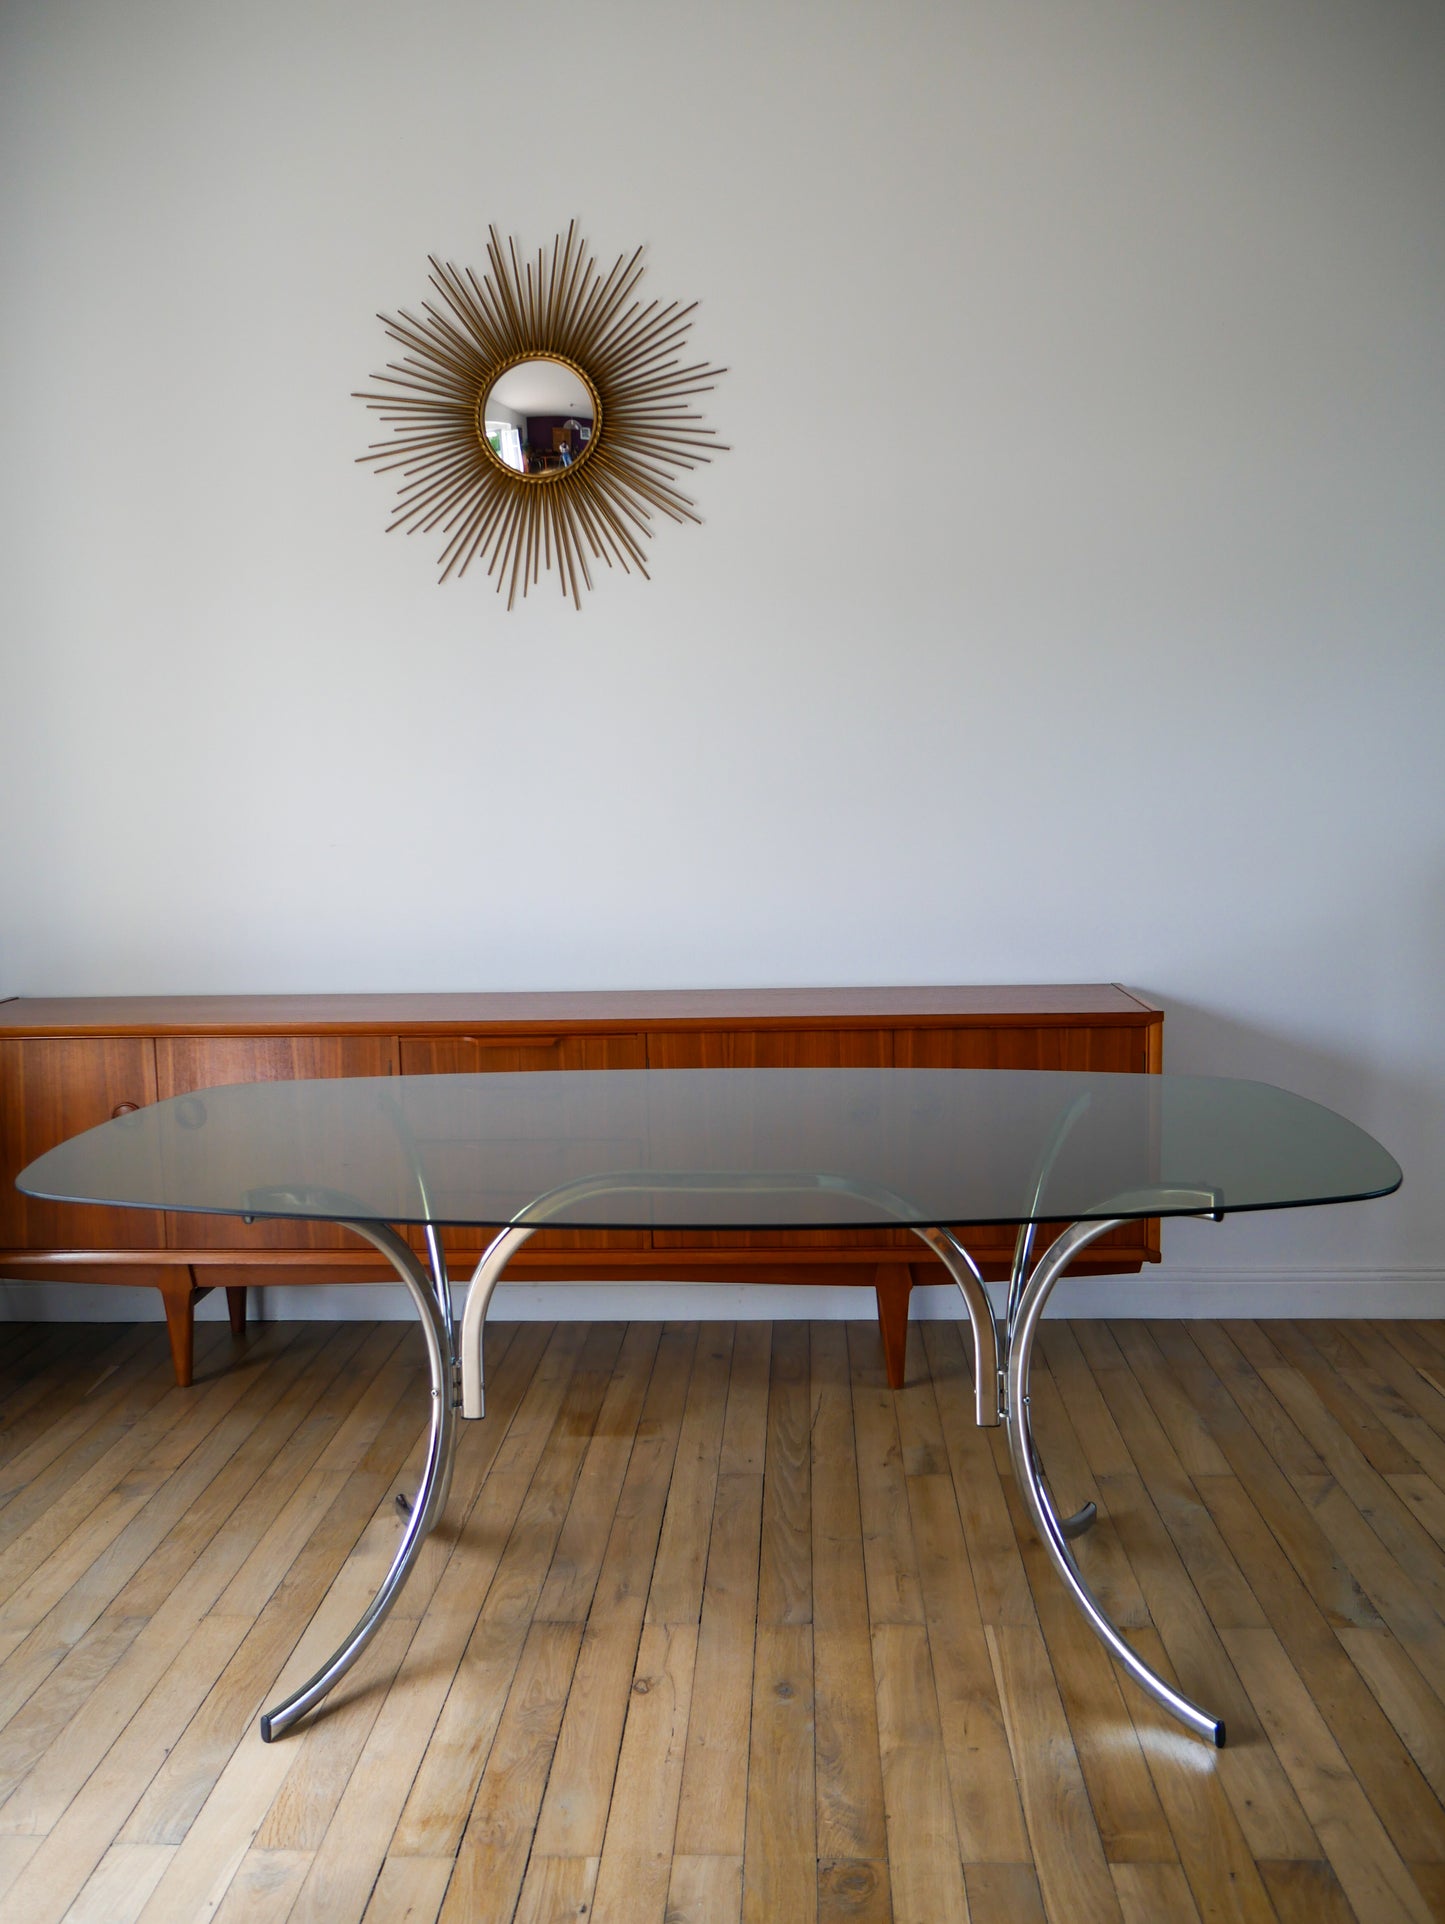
{"points": [[1081, 1519], [485, 1277], [436, 1477], [1075, 1525], [1052, 1532], [966, 1273], [441, 1283]]}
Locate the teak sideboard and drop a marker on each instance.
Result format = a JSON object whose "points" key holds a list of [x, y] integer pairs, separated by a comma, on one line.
{"points": [[68, 1065]]}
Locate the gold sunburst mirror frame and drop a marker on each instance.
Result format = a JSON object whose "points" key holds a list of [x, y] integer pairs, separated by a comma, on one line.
{"points": [[494, 498]]}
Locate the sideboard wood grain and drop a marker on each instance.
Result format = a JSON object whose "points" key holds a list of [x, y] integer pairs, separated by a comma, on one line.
{"points": [[66, 1064]]}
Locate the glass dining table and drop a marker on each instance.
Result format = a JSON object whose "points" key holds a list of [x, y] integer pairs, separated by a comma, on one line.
{"points": [[1065, 1157]]}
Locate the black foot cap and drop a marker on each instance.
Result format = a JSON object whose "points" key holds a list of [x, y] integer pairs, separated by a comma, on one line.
{"points": [[265, 1730], [1219, 1736]]}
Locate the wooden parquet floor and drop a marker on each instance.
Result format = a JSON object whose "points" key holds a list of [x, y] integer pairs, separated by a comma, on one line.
{"points": [[719, 1628]]}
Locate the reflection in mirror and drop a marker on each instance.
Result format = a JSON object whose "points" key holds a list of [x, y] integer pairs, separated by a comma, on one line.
{"points": [[538, 417]]}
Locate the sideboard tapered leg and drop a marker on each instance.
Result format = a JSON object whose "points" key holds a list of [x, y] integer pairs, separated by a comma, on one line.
{"points": [[892, 1284], [178, 1293]]}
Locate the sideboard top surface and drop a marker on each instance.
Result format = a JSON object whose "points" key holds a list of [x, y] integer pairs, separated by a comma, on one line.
{"points": [[1072, 1004]]}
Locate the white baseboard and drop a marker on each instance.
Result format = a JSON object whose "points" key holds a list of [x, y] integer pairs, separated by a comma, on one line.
{"points": [[1198, 1294]]}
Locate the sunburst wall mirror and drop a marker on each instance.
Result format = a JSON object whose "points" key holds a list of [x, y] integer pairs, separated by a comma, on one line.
{"points": [[540, 414]]}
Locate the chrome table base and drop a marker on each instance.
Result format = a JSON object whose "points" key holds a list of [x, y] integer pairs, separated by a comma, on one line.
{"points": [[1001, 1394]]}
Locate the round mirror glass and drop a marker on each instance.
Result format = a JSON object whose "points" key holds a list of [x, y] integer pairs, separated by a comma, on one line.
{"points": [[538, 418]]}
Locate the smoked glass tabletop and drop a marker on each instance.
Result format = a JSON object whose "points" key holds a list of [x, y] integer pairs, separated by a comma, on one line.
{"points": [[723, 1149]]}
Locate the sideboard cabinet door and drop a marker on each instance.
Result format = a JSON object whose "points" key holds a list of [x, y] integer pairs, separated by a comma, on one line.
{"points": [[1037, 1046], [52, 1088], [184, 1063], [1101, 1048]]}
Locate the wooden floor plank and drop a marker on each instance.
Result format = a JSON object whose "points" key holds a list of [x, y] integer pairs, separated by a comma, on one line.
{"points": [[435, 1812], [1307, 1894], [572, 1579], [118, 1888], [68, 1366], [1068, 1853], [780, 1855], [360, 1527], [704, 1890], [1284, 1397], [55, 1427], [785, 1571], [1222, 1586], [1154, 1894], [75, 1529], [713, 1809], [1369, 1868], [635, 1869], [997, 1568], [675, 1594], [848, 1778], [1223, 1875], [1383, 1450], [1003, 1894], [75, 1749], [497, 1841], [554, 1888], [1270, 1814], [15, 1853], [92, 1818], [264, 1887], [1324, 1573], [926, 1872], [851, 1890], [894, 1595], [1384, 1586], [1407, 1403], [988, 1818], [1130, 1820], [574, 1817], [718, 1626], [745, 1427], [1402, 1695], [365, 1823], [1320, 1653]]}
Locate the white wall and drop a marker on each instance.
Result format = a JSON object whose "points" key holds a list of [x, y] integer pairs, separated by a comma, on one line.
{"points": [[1131, 667]]}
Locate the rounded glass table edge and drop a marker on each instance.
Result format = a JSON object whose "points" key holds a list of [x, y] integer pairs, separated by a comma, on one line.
{"points": [[62, 1175], [681, 1227]]}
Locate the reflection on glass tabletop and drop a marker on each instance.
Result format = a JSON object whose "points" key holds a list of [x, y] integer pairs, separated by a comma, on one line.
{"points": [[723, 1148]]}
